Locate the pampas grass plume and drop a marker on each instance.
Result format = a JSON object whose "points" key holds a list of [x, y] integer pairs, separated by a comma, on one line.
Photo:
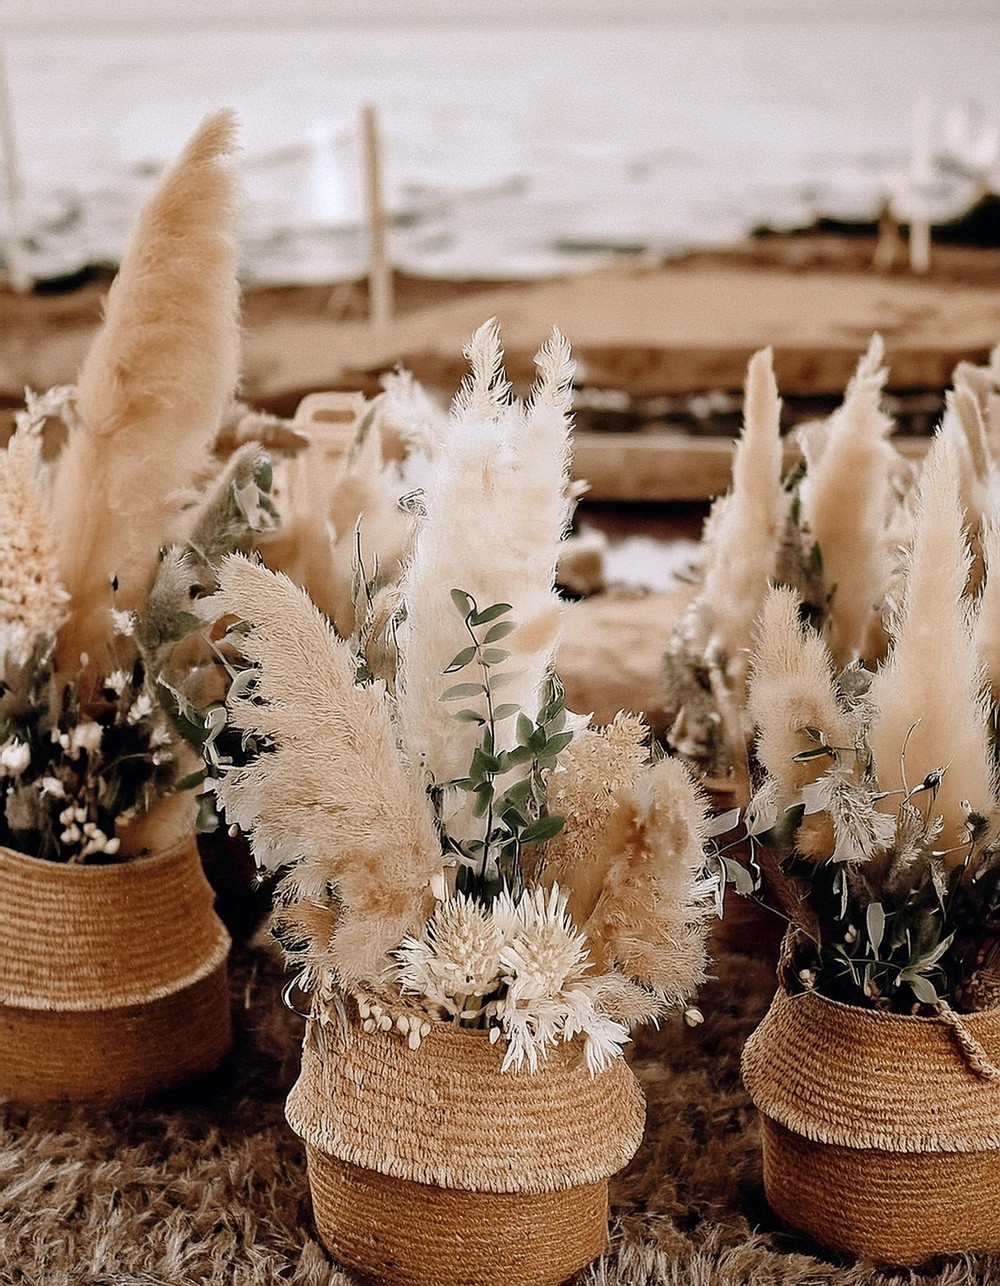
{"points": [[745, 536], [651, 917], [845, 502], [32, 597], [497, 510], [930, 707], [791, 689], [152, 390], [988, 614], [331, 793], [594, 768]]}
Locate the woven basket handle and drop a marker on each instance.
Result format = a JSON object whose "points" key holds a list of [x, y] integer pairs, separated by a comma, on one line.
{"points": [[976, 1058]]}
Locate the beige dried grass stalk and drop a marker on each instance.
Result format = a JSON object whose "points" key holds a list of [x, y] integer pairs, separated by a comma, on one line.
{"points": [[931, 709], [32, 597], [791, 689], [650, 918], [497, 510], [988, 609], [742, 542], [331, 794], [846, 498], [152, 391], [596, 766]]}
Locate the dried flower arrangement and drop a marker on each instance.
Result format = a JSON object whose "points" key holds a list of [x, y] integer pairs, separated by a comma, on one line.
{"points": [[880, 787], [829, 529], [93, 614], [459, 848]]}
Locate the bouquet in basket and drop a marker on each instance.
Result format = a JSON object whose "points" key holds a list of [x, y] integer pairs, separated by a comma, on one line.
{"points": [[456, 847]]}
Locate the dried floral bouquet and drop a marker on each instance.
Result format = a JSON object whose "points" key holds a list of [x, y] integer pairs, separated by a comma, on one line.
{"points": [[878, 1066], [112, 515], [462, 855]]}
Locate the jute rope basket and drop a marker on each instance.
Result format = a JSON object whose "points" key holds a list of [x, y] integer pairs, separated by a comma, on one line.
{"points": [[881, 1132], [112, 978], [430, 1166]]}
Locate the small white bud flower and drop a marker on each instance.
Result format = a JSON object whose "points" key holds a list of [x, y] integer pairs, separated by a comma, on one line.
{"points": [[54, 787], [15, 757], [112, 845], [693, 1017]]}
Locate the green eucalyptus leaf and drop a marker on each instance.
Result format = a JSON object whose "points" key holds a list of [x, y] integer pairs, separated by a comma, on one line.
{"points": [[554, 745], [461, 659], [499, 631], [462, 690], [469, 716], [875, 924], [464, 602], [505, 712], [738, 876], [542, 829], [490, 613], [493, 656]]}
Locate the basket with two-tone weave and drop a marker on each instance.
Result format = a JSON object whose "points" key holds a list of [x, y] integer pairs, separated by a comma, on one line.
{"points": [[881, 1131], [112, 977], [431, 1166]]}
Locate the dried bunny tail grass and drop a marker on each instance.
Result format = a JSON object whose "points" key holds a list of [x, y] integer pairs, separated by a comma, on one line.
{"points": [[32, 597], [331, 791], [846, 499], [929, 699], [497, 510], [651, 918], [744, 540], [152, 391], [988, 613], [791, 689], [593, 769]]}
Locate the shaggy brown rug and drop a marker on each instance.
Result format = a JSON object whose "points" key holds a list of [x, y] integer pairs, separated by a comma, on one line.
{"points": [[209, 1186]]}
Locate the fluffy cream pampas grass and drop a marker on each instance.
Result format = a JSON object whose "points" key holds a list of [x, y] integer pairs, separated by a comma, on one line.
{"points": [[931, 712], [497, 509], [328, 791], [32, 597], [151, 393], [846, 500]]}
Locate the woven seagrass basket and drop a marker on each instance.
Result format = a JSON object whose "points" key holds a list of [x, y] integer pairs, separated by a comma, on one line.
{"points": [[430, 1167], [881, 1132], [112, 978]]}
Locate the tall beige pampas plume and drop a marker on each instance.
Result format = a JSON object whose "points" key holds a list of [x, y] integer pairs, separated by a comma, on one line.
{"points": [[32, 598], [930, 706], [497, 509], [595, 767], [650, 919], [846, 498], [792, 689], [151, 393], [745, 536], [988, 609], [330, 794]]}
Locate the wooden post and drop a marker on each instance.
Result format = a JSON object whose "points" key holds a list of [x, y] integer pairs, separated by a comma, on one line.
{"points": [[13, 187], [379, 268]]}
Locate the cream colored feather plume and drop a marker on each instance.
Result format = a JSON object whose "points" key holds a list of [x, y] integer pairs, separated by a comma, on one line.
{"points": [[151, 393], [930, 708], [988, 613], [745, 539], [32, 597], [846, 497], [651, 917], [791, 689], [497, 510], [593, 770], [331, 793]]}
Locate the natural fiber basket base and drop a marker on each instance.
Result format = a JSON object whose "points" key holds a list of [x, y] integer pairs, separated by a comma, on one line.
{"points": [[414, 1234], [107, 1055], [892, 1207]]}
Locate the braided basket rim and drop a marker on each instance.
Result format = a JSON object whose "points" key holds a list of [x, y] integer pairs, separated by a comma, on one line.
{"points": [[79, 937], [445, 1115], [864, 1078]]}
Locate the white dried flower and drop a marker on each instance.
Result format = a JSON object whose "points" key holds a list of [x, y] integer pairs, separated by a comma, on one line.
{"points": [[116, 681], [456, 962], [123, 622], [53, 787], [85, 736], [14, 758], [141, 709]]}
